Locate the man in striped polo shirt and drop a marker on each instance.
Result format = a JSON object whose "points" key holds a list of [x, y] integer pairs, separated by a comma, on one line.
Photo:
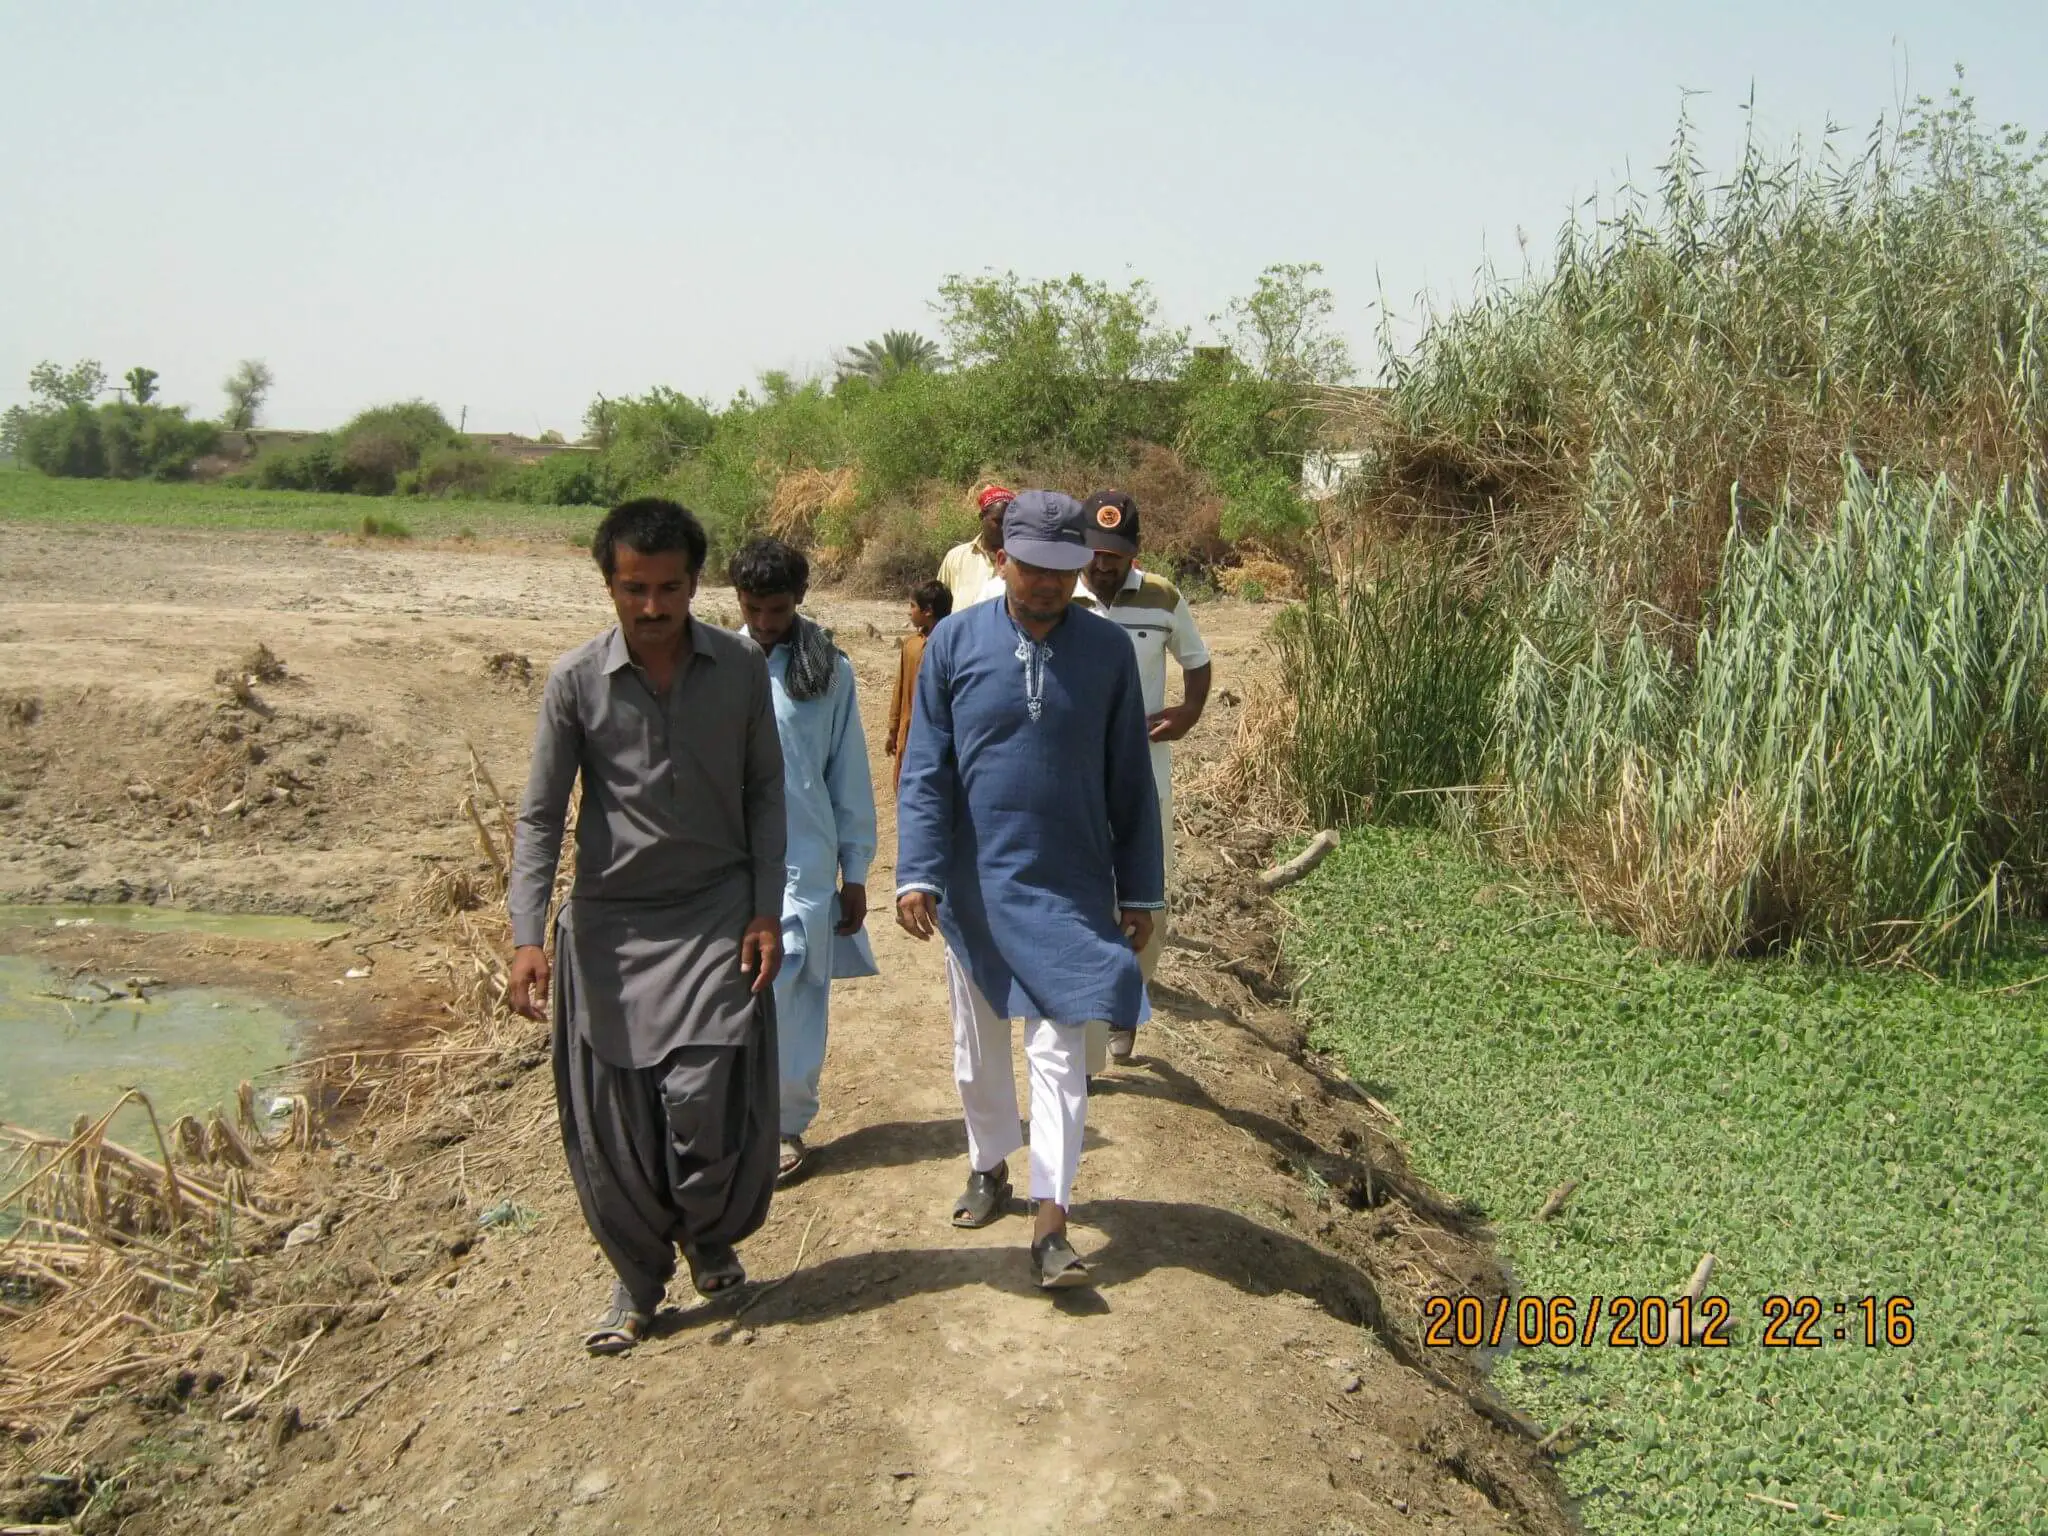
{"points": [[1155, 616]]}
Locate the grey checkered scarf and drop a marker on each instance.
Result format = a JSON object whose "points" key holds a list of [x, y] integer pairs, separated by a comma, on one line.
{"points": [[812, 657]]}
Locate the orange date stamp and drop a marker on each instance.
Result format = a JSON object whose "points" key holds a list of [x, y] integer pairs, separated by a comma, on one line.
{"points": [[1661, 1322]]}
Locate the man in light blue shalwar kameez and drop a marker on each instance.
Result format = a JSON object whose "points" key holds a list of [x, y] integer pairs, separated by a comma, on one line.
{"points": [[830, 801]]}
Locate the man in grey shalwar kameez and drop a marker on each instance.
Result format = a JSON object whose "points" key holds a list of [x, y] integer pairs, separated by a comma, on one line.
{"points": [[665, 952]]}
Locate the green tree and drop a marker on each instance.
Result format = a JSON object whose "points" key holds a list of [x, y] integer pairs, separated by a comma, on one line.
{"points": [[247, 388], [1073, 324], [897, 352], [1067, 364], [141, 384], [53, 388], [1282, 328], [642, 437]]}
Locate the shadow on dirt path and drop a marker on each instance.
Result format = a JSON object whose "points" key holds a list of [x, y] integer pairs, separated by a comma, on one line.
{"points": [[1241, 1361]]}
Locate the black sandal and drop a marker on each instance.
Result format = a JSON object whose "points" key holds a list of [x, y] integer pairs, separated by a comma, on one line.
{"points": [[986, 1197], [714, 1267], [1056, 1264], [622, 1326]]}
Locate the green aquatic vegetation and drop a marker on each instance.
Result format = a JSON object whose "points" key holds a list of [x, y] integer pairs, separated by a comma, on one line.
{"points": [[1822, 1131]]}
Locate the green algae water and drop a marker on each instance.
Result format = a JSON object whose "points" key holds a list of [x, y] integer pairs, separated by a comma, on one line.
{"points": [[66, 1049], [146, 919]]}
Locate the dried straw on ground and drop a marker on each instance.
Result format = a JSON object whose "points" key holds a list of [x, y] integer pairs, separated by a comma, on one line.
{"points": [[121, 1263], [1251, 777]]}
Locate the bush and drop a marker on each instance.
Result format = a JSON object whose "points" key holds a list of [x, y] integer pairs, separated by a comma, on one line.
{"points": [[1266, 507], [644, 437], [561, 480], [901, 549], [155, 442], [905, 430], [315, 465], [365, 457], [65, 442], [382, 443], [115, 441], [475, 473]]}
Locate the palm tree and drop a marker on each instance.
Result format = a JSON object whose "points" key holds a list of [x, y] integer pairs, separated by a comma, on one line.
{"points": [[896, 352]]}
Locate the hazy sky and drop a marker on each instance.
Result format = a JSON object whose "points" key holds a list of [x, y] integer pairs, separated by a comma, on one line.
{"points": [[513, 207]]}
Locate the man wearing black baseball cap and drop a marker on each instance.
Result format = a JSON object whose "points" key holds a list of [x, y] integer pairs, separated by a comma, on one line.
{"points": [[1028, 835], [1153, 614]]}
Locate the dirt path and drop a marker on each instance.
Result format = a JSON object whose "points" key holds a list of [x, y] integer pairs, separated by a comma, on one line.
{"points": [[1235, 1367]]}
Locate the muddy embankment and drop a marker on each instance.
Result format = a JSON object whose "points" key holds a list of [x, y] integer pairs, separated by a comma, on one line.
{"points": [[394, 1342]]}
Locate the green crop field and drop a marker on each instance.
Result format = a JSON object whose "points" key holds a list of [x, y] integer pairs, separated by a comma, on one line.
{"points": [[28, 497], [1823, 1132]]}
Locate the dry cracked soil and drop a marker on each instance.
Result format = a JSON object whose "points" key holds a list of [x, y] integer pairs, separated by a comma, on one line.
{"points": [[1246, 1361]]}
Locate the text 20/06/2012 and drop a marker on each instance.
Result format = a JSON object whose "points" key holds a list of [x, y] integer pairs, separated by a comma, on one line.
{"points": [[1659, 1322]]}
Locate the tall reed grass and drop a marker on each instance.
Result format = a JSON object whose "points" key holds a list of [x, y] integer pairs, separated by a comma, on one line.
{"points": [[1393, 680], [1853, 760], [1641, 587], [1884, 300]]}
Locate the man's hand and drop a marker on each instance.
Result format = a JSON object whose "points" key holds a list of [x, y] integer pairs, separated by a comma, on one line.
{"points": [[1137, 926], [1172, 724], [761, 952], [853, 908], [917, 914], [528, 991]]}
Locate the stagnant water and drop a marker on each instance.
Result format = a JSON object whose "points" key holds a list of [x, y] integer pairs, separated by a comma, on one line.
{"points": [[66, 1049]]}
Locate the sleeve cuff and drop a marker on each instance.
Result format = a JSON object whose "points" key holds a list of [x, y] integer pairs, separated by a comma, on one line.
{"points": [[1141, 906], [908, 886], [855, 871], [530, 931]]}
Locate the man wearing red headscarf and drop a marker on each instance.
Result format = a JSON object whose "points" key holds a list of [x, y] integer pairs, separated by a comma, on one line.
{"points": [[969, 567]]}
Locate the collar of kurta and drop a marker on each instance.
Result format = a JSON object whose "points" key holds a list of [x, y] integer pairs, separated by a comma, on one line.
{"points": [[1083, 593], [617, 656]]}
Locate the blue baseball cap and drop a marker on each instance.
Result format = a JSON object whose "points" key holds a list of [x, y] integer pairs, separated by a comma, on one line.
{"points": [[1044, 528]]}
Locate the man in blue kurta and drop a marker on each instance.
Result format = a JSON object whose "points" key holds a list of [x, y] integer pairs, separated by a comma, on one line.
{"points": [[830, 801], [1028, 835]]}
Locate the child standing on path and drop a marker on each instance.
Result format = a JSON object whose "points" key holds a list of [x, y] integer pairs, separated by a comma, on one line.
{"points": [[929, 603]]}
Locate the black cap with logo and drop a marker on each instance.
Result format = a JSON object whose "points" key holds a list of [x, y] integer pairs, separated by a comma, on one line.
{"points": [[1111, 522]]}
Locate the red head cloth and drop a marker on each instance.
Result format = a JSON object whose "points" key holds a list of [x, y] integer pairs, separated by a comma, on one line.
{"points": [[992, 494]]}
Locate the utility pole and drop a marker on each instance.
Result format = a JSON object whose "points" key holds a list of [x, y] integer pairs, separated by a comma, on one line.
{"points": [[464, 425]]}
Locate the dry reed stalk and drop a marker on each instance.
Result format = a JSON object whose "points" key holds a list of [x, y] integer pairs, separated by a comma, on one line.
{"points": [[480, 779], [1258, 574], [118, 1252], [804, 496], [1252, 774]]}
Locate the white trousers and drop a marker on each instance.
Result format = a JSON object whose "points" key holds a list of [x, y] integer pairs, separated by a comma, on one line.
{"points": [[986, 1076], [1148, 957]]}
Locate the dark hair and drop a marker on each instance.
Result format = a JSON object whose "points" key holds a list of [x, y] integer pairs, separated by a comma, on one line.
{"points": [[766, 567], [934, 597], [648, 526]]}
